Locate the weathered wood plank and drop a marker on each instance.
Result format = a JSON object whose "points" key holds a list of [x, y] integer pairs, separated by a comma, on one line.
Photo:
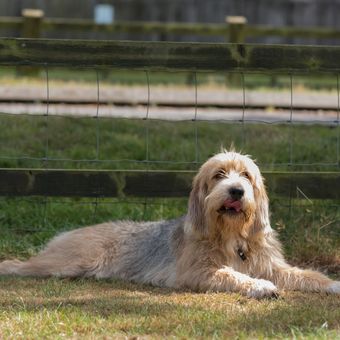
{"points": [[206, 29], [292, 32], [11, 22], [170, 56], [93, 183], [144, 27], [313, 185], [55, 183]]}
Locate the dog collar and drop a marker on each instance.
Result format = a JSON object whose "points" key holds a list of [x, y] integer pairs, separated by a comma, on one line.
{"points": [[241, 254]]}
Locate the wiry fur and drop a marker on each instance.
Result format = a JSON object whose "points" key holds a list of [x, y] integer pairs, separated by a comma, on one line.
{"points": [[199, 251]]}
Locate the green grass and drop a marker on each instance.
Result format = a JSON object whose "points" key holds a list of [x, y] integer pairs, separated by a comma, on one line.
{"points": [[26, 139], [54, 308], [128, 77]]}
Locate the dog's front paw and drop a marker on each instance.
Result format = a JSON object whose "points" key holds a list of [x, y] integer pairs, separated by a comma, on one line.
{"points": [[334, 288], [260, 289]]}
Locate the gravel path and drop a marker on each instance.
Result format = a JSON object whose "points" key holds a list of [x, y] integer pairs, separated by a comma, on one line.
{"points": [[169, 102], [170, 113]]}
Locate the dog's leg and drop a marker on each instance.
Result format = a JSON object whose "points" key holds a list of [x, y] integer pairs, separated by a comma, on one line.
{"points": [[225, 279], [293, 278], [271, 265]]}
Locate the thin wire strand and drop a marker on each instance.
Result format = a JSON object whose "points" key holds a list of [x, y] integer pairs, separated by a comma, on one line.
{"points": [[155, 162], [147, 138], [195, 120], [291, 121], [47, 113], [291, 143], [147, 117], [338, 121], [45, 161], [95, 204], [243, 110], [97, 116], [296, 121]]}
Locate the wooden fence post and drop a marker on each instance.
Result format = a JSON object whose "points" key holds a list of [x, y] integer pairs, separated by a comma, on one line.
{"points": [[237, 35], [236, 27], [31, 28]]}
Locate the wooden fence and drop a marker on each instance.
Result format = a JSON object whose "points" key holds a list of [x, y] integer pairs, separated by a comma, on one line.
{"points": [[236, 30], [170, 56], [137, 183], [196, 57]]}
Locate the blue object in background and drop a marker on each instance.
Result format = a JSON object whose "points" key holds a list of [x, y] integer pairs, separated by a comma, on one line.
{"points": [[103, 14]]}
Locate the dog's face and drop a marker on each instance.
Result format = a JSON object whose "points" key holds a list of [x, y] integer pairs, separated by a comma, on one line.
{"points": [[228, 195]]}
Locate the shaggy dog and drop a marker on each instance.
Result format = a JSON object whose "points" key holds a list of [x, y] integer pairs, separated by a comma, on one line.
{"points": [[224, 243]]}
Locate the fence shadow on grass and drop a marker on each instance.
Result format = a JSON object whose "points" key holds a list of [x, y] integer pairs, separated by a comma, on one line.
{"points": [[142, 309]]}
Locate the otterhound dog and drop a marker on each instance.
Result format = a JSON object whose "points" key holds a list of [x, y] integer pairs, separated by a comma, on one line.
{"points": [[224, 243]]}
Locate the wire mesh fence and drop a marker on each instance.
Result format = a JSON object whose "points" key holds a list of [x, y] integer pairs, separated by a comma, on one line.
{"points": [[239, 125], [299, 157]]}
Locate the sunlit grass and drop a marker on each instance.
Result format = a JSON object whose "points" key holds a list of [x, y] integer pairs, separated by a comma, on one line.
{"points": [[126, 143], [88, 308], [53, 308]]}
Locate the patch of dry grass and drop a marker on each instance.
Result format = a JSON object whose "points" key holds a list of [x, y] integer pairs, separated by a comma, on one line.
{"points": [[55, 308]]}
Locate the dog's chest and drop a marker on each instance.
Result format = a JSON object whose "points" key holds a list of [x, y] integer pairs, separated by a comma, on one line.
{"points": [[238, 253], [245, 255]]}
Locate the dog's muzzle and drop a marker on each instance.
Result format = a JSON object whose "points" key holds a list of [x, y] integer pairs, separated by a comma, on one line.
{"points": [[231, 206]]}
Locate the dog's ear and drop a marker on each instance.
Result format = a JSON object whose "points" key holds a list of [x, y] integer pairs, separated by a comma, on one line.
{"points": [[261, 221], [196, 221]]}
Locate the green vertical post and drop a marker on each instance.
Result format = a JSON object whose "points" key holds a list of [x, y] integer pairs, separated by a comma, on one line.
{"points": [[237, 35], [31, 28], [237, 29]]}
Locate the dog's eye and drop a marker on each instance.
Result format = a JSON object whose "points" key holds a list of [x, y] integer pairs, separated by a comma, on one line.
{"points": [[245, 174], [220, 175]]}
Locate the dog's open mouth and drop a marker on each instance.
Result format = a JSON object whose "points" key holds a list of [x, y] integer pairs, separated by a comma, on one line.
{"points": [[230, 206]]}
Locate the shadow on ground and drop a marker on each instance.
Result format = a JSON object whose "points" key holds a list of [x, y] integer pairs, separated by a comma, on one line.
{"points": [[138, 309]]}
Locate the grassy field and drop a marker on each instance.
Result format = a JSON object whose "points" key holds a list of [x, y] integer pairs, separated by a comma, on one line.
{"points": [[126, 143], [128, 77], [310, 231], [92, 309]]}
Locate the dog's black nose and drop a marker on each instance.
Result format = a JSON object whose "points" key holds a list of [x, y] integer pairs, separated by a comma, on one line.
{"points": [[236, 193]]}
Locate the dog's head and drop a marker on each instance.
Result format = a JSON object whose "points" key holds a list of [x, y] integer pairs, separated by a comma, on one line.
{"points": [[228, 195]]}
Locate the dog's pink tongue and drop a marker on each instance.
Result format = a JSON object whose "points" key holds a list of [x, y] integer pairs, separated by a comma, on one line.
{"points": [[230, 204]]}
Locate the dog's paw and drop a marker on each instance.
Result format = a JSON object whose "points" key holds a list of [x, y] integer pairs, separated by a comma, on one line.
{"points": [[260, 289], [334, 288]]}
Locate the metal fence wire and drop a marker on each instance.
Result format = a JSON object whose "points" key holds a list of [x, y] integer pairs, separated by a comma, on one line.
{"points": [[153, 182], [245, 119]]}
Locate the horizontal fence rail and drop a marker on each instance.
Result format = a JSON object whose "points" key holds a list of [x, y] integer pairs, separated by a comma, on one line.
{"points": [[119, 183], [170, 56], [200, 29], [194, 57]]}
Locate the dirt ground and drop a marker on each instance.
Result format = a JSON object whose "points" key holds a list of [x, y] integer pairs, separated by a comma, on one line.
{"points": [[169, 102]]}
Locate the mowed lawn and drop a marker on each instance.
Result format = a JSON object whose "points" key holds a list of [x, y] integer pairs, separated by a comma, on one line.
{"points": [[52, 308]]}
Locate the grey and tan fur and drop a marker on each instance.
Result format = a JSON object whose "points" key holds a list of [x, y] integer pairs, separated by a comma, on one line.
{"points": [[224, 243]]}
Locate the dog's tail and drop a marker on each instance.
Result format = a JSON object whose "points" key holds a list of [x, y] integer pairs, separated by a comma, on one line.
{"points": [[40, 266], [64, 256], [31, 267], [82, 252]]}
